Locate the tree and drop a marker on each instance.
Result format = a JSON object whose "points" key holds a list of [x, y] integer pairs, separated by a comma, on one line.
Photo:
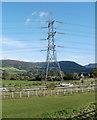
{"points": [[13, 77], [6, 75], [82, 81], [94, 73], [69, 76], [38, 77], [75, 76], [64, 75]]}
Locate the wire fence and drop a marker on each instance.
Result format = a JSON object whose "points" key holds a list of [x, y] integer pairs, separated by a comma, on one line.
{"points": [[21, 94]]}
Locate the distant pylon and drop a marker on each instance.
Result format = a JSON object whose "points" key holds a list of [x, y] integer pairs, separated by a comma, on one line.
{"points": [[53, 71]]}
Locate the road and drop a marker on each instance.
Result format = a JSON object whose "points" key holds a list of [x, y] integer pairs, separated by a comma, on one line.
{"points": [[41, 88]]}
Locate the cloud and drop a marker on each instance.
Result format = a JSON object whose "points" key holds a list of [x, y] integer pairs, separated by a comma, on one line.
{"points": [[28, 20], [34, 13], [42, 14], [12, 43]]}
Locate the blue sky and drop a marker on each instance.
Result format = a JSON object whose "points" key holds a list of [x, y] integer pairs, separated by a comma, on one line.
{"points": [[21, 28]]}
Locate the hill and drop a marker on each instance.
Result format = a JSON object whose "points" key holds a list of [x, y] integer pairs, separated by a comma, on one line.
{"points": [[92, 65], [71, 67], [66, 66]]}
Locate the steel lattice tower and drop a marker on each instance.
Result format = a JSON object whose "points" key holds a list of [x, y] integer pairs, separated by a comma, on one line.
{"points": [[53, 70]]}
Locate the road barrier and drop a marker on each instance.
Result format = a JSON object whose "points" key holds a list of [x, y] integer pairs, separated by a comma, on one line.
{"points": [[47, 92]]}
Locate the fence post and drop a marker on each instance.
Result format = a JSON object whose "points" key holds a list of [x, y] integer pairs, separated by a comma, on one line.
{"points": [[64, 91], [36, 93], [20, 94], [82, 89], [3, 94], [88, 89], [51, 92], [71, 90], [28, 93], [12, 95], [57, 92], [44, 93], [76, 89], [93, 88]]}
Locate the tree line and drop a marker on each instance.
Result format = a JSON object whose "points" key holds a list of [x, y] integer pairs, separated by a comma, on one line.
{"points": [[6, 75]]}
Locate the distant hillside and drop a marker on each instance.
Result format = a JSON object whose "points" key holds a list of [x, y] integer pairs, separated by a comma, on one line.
{"points": [[92, 65], [66, 66], [21, 65], [71, 67]]}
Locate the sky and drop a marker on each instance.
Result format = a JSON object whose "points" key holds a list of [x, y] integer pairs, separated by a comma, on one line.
{"points": [[21, 31]]}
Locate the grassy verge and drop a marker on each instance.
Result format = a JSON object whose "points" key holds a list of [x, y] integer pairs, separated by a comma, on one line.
{"points": [[44, 107]]}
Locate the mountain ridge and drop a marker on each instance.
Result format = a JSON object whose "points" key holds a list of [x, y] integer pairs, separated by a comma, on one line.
{"points": [[66, 66]]}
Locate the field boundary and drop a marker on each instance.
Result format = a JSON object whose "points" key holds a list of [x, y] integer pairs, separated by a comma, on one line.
{"points": [[47, 92]]}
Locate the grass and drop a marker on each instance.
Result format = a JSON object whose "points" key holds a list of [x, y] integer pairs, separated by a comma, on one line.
{"points": [[38, 107], [85, 81], [26, 84], [21, 83], [12, 70], [87, 112]]}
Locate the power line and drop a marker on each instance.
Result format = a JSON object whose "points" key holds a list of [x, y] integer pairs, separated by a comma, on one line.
{"points": [[19, 51], [23, 49], [82, 32], [14, 27], [43, 21], [10, 21], [21, 32], [70, 41], [38, 50], [35, 49], [81, 48], [71, 34], [81, 52], [56, 28], [85, 26]]}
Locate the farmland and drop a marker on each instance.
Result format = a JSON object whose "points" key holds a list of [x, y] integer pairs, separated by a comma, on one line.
{"points": [[25, 83], [46, 106]]}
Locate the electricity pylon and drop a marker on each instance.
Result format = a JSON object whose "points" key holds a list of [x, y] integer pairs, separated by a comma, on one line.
{"points": [[53, 70]]}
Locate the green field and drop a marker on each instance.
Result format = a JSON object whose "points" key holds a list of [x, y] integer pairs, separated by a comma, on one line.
{"points": [[12, 70], [25, 83], [40, 107]]}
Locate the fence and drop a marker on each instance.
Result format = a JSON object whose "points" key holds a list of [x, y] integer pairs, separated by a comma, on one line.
{"points": [[20, 94]]}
